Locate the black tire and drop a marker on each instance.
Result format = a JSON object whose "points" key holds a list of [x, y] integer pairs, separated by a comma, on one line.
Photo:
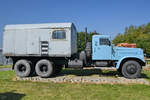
{"points": [[22, 68], [131, 69], [58, 69], [44, 68]]}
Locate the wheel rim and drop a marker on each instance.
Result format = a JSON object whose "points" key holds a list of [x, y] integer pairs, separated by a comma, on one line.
{"points": [[43, 68], [22, 68], [131, 69]]}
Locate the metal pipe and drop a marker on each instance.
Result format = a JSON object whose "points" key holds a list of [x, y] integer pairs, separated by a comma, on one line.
{"points": [[85, 36]]}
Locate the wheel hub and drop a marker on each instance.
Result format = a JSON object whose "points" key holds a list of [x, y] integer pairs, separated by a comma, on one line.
{"points": [[22, 68], [131, 69], [43, 68]]}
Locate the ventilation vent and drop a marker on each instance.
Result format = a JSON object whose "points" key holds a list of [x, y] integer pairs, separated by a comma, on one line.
{"points": [[44, 48]]}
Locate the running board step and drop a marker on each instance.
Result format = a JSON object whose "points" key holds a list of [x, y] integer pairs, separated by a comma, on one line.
{"points": [[105, 68]]}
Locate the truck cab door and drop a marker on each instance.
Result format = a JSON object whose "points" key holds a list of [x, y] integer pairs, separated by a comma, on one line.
{"points": [[102, 49]]}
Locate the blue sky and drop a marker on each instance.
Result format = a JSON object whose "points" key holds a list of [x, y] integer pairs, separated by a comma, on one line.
{"points": [[105, 16]]}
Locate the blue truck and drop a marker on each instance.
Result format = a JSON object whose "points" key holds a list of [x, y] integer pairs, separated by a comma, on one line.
{"points": [[45, 49]]}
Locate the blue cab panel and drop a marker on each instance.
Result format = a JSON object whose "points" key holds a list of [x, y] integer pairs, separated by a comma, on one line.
{"points": [[100, 49], [103, 49]]}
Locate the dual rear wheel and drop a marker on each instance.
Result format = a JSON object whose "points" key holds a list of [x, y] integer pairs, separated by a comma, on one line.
{"points": [[22, 68], [43, 68]]}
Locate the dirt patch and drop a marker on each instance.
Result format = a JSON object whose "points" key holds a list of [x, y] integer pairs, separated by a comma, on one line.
{"points": [[146, 68]]}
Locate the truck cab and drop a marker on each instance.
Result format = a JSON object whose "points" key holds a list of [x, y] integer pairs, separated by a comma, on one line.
{"points": [[128, 61]]}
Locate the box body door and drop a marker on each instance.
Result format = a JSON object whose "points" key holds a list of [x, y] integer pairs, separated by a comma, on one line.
{"points": [[60, 45]]}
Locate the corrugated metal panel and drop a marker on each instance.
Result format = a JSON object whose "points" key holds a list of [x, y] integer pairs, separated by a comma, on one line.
{"points": [[34, 26], [33, 41], [8, 42], [20, 42]]}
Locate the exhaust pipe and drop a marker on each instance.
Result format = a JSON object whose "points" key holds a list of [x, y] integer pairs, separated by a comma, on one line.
{"points": [[85, 36]]}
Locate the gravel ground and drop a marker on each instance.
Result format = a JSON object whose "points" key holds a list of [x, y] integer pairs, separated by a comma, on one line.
{"points": [[86, 79], [62, 78], [5, 69]]}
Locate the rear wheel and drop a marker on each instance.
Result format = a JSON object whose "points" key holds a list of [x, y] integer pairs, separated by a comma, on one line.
{"points": [[131, 69], [22, 68], [44, 68]]}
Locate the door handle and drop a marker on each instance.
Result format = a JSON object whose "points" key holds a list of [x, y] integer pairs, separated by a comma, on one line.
{"points": [[94, 49], [98, 48]]}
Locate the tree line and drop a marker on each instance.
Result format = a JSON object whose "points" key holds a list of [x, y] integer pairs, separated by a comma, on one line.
{"points": [[136, 34]]}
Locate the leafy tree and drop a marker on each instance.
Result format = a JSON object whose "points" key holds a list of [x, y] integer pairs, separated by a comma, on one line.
{"points": [[139, 35], [81, 39]]}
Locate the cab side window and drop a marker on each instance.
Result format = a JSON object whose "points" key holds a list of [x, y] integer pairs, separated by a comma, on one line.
{"points": [[104, 41], [59, 34]]}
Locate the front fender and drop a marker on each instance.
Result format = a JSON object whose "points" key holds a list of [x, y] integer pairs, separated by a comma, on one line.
{"points": [[123, 58]]}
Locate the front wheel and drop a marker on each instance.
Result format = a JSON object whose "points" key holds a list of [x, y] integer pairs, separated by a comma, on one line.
{"points": [[131, 69]]}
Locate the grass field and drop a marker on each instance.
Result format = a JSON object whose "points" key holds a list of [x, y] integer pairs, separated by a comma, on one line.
{"points": [[7, 66], [24, 90]]}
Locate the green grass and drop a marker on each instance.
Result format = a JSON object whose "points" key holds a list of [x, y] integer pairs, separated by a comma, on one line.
{"points": [[24, 90], [6, 66]]}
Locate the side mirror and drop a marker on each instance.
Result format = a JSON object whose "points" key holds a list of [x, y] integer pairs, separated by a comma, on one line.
{"points": [[108, 43]]}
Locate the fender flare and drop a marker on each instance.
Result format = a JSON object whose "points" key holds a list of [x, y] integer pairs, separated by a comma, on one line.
{"points": [[130, 58]]}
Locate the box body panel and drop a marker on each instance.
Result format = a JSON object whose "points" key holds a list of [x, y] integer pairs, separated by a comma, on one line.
{"points": [[28, 41]]}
